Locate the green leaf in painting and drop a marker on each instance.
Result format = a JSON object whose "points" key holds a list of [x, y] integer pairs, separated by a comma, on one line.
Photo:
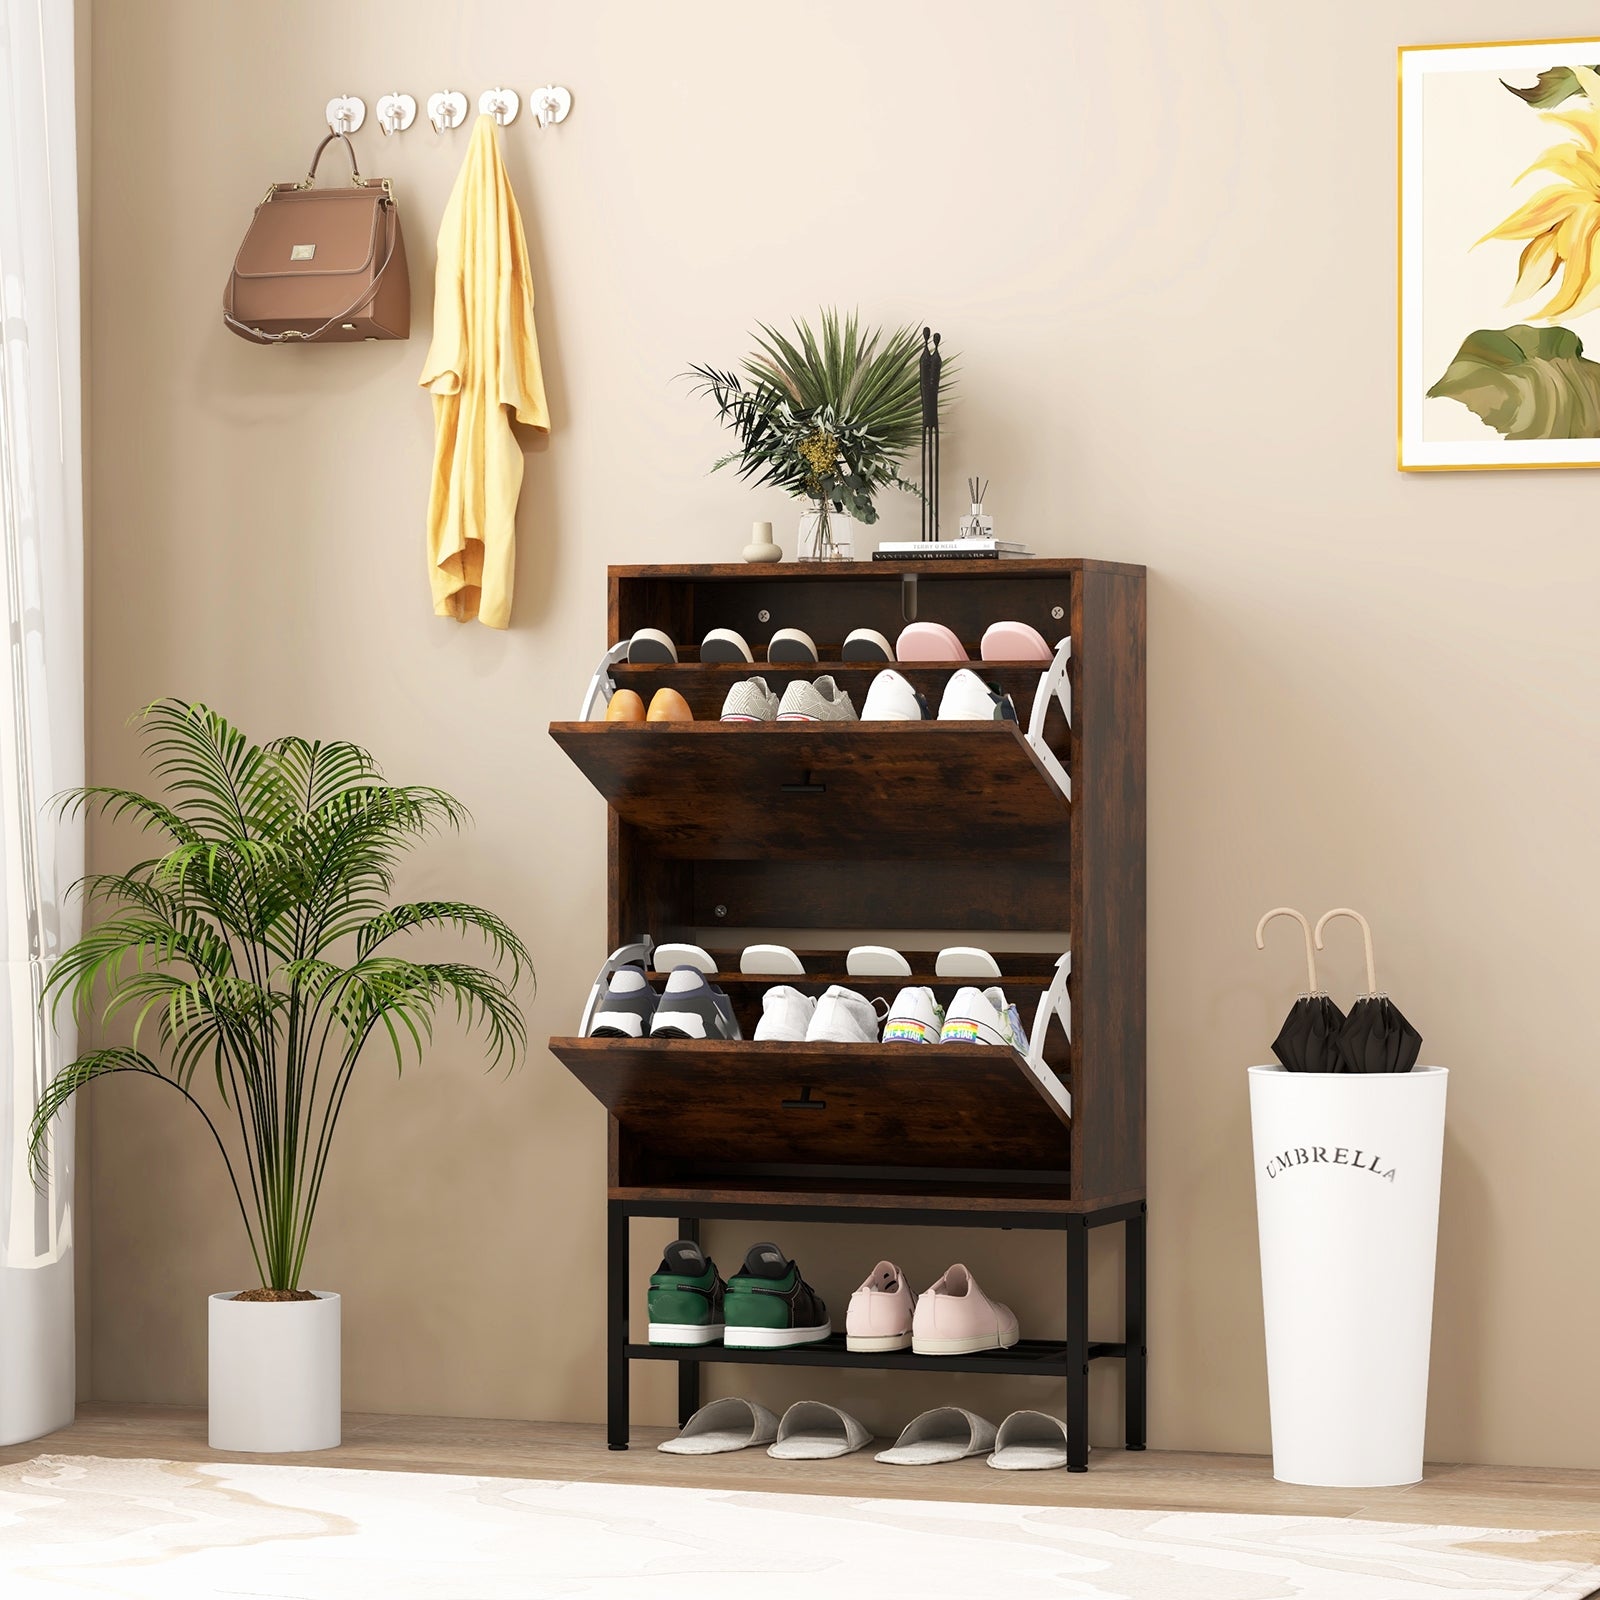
{"points": [[1526, 383], [1550, 88]]}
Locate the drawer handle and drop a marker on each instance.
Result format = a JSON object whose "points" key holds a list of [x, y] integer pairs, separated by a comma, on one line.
{"points": [[805, 1102], [810, 786]]}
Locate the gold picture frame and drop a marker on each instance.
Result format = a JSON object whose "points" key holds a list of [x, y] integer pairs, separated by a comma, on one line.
{"points": [[1494, 146]]}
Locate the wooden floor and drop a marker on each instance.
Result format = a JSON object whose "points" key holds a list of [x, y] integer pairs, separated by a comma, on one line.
{"points": [[1557, 1499]]}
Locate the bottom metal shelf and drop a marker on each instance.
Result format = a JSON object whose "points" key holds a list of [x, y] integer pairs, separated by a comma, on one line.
{"points": [[1040, 1358]]}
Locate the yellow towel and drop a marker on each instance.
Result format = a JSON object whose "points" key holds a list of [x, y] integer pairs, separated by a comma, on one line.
{"points": [[482, 370]]}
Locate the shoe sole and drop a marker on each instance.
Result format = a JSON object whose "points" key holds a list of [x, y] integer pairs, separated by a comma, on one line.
{"points": [[961, 1347], [685, 1333], [725, 653], [790, 652], [887, 1341], [774, 1338], [652, 648]]}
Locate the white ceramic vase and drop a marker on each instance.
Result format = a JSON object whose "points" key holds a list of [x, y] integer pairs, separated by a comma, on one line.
{"points": [[274, 1374], [1347, 1202]]}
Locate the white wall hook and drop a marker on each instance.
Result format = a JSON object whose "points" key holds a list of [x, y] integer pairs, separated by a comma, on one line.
{"points": [[447, 109], [501, 104], [550, 104], [396, 112], [346, 113]]}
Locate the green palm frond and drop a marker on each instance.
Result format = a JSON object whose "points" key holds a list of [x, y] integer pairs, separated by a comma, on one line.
{"points": [[253, 946], [827, 414]]}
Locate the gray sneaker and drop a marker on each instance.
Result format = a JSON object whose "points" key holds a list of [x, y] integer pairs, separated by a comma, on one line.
{"points": [[750, 700], [822, 701], [690, 1008], [625, 1009]]}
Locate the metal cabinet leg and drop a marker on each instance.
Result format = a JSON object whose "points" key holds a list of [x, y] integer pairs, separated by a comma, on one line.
{"points": [[688, 1371], [616, 1326], [1133, 1322], [1077, 1344]]}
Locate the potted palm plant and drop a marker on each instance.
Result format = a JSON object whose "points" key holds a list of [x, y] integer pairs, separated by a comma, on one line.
{"points": [[251, 963], [825, 416]]}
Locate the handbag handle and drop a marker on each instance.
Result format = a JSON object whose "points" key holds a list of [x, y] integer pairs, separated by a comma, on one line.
{"points": [[355, 171]]}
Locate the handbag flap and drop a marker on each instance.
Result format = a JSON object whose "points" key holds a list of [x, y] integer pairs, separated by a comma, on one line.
{"points": [[312, 233]]}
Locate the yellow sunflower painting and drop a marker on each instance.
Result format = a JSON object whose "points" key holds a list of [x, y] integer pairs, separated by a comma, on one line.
{"points": [[1500, 255]]}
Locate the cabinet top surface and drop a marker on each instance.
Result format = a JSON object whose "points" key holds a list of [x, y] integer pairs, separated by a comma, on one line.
{"points": [[726, 571]]}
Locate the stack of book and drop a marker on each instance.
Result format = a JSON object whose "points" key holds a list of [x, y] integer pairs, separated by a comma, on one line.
{"points": [[949, 550]]}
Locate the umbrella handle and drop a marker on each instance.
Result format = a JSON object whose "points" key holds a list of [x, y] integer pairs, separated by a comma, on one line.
{"points": [[1366, 935], [1305, 927]]}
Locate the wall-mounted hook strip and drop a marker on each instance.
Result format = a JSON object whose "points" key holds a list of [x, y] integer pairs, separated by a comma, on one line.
{"points": [[346, 113], [396, 112], [501, 104], [447, 109]]}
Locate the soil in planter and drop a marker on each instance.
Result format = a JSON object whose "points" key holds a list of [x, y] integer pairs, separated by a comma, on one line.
{"points": [[275, 1294]]}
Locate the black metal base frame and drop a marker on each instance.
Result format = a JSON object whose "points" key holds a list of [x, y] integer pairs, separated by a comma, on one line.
{"points": [[1069, 1358]]}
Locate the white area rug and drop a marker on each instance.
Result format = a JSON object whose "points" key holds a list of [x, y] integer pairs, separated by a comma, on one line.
{"points": [[82, 1525]]}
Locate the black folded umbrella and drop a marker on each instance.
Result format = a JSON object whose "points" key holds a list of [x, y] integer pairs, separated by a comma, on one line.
{"points": [[1308, 1039], [1375, 1037]]}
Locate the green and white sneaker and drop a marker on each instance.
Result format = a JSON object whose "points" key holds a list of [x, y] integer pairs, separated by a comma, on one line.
{"points": [[770, 1305], [686, 1297]]}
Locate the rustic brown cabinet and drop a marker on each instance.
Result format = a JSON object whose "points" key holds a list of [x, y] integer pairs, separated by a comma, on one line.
{"points": [[816, 834]]}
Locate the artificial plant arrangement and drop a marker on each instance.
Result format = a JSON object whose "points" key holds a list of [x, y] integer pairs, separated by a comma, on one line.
{"points": [[257, 945], [825, 415]]}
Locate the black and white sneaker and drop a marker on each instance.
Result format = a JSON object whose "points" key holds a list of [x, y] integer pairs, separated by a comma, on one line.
{"points": [[690, 1008], [626, 1008]]}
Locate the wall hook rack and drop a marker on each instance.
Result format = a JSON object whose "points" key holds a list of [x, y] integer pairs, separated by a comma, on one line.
{"points": [[551, 103], [396, 112], [346, 112], [447, 109], [501, 104]]}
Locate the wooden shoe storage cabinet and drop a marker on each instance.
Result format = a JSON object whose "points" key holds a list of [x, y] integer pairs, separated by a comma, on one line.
{"points": [[823, 835]]}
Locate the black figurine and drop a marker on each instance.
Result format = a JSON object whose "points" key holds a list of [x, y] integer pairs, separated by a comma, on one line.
{"points": [[929, 366]]}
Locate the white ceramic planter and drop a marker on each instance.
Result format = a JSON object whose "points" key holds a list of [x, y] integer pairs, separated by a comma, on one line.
{"points": [[1347, 1201], [274, 1372]]}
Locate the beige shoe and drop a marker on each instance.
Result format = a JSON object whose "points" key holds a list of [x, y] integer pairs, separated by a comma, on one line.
{"points": [[955, 1318], [625, 706], [667, 705]]}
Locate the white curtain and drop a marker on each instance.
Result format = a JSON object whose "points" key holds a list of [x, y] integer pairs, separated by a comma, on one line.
{"points": [[41, 689]]}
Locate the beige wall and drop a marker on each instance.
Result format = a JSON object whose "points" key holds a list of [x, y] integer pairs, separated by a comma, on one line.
{"points": [[1161, 237]]}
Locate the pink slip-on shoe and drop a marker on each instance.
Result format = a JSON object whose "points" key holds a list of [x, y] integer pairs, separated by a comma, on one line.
{"points": [[880, 1311], [955, 1318]]}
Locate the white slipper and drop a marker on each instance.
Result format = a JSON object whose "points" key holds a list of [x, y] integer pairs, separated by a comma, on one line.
{"points": [[652, 647], [792, 646], [1030, 1441], [723, 647], [814, 1431], [947, 1433], [722, 1426], [866, 644]]}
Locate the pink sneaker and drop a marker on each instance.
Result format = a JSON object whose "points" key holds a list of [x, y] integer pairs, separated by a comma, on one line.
{"points": [[955, 1317], [880, 1311]]}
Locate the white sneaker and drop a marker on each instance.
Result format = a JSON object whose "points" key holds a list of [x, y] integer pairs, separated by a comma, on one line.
{"points": [[892, 699], [914, 1018], [982, 1016], [843, 1017], [967, 698], [822, 701], [785, 1014], [750, 700]]}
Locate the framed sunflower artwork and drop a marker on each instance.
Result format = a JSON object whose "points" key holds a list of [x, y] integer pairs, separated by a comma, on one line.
{"points": [[1500, 255]]}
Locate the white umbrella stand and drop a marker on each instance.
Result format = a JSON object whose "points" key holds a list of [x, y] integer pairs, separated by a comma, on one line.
{"points": [[1347, 1203]]}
